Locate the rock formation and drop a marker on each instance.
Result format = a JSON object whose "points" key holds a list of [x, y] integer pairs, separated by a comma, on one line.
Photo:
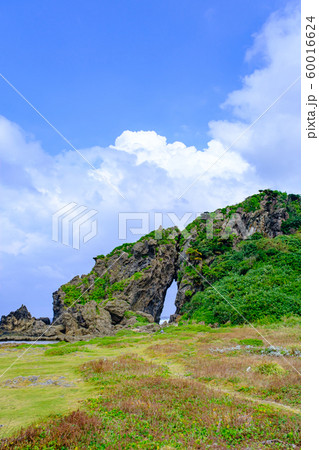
{"points": [[134, 277], [127, 287], [20, 324]]}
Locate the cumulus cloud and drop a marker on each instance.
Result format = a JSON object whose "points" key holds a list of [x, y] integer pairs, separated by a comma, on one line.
{"points": [[178, 160], [272, 145]]}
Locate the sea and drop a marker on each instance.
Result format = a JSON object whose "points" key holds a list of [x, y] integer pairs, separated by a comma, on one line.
{"points": [[163, 319]]}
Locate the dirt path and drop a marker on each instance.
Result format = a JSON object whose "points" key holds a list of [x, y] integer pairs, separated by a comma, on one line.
{"points": [[178, 370]]}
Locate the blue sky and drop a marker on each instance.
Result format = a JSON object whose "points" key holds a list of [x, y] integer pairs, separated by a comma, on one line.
{"points": [[97, 68], [151, 93]]}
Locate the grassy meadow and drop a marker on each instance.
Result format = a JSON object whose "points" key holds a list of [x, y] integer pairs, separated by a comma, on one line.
{"points": [[188, 387]]}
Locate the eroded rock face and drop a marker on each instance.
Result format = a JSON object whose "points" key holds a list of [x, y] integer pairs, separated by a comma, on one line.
{"points": [[134, 278], [117, 308], [85, 322], [127, 288]]}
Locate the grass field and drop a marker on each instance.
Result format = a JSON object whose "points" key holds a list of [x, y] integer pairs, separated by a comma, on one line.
{"points": [[189, 386]]}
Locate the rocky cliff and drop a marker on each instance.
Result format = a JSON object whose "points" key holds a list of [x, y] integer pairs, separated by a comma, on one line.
{"points": [[127, 287]]}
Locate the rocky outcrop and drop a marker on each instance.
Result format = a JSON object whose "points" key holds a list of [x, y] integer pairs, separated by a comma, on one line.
{"points": [[85, 322], [127, 288], [117, 308], [269, 213], [20, 324], [133, 277]]}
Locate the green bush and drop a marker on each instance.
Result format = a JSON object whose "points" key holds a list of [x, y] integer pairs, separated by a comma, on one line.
{"points": [[260, 278], [270, 369], [253, 342], [137, 275], [72, 294]]}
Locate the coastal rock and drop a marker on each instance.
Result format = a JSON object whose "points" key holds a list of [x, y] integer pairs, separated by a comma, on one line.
{"points": [[147, 316], [46, 320], [20, 324], [133, 279]]}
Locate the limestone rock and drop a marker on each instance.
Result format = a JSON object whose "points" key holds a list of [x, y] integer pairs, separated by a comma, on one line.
{"points": [[89, 319], [135, 276], [20, 324], [147, 316], [117, 308], [138, 277], [128, 323]]}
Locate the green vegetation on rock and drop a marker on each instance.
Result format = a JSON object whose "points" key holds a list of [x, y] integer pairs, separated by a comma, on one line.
{"points": [[259, 278], [140, 320], [72, 294]]}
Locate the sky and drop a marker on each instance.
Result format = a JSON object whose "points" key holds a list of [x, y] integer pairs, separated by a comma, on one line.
{"points": [[172, 107]]}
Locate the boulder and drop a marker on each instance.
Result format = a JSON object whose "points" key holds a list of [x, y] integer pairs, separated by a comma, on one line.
{"points": [[20, 325], [149, 328], [128, 323], [117, 308], [86, 320], [147, 316]]}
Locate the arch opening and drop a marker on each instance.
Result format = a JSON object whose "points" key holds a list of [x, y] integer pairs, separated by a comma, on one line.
{"points": [[169, 307]]}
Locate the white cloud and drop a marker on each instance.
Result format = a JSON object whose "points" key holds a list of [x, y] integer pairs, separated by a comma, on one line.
{"points": [[178, 160], [272, 145]]}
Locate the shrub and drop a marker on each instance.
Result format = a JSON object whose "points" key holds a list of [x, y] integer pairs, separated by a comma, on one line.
{"points": [[253, 342], [72, 294], [76, 430], [259, 279], [270, 369], [137, 275], [98, 292]]}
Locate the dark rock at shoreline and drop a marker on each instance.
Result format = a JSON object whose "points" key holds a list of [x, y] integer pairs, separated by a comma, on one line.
{"points": [[19, 315], [20, 325]]}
